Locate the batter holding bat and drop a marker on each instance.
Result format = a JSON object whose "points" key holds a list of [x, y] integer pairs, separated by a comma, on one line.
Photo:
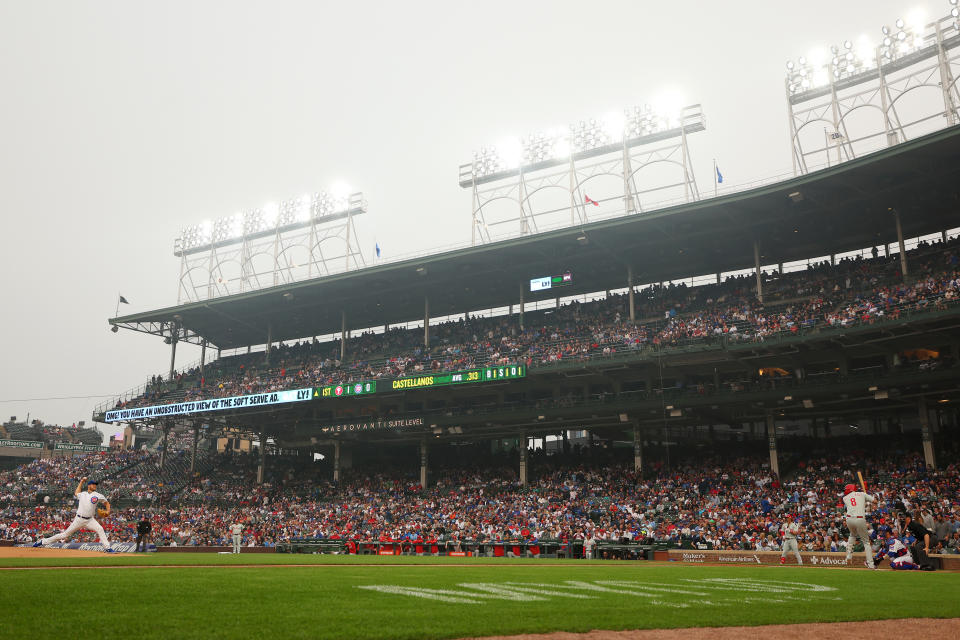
{"points": [[90, 503], [856, 505]]}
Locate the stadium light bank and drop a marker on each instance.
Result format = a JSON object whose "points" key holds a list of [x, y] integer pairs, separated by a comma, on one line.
{"points": [[218, 257], [825, 86], [506, 169]]}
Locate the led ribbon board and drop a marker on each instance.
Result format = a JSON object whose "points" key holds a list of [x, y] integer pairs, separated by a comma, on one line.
{"points": [[486, 374], [549, 282], [215, 404], [352, 389]]}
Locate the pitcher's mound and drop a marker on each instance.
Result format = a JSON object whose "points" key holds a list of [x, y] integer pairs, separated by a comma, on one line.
{"points": [[40, 552]]}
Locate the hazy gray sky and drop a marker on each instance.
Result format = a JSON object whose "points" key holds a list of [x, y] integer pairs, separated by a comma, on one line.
{"points": [[124, 121]]}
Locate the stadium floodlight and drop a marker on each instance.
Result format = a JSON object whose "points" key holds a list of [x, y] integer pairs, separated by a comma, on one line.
{"points": [[906, 36], [912, 52], [597, 135], [272, 218]]}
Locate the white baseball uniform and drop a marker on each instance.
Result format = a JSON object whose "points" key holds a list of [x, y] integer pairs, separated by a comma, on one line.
{"points": [[900, 557], [236, 529], [87, 502], [856, 503], [790, 541]]}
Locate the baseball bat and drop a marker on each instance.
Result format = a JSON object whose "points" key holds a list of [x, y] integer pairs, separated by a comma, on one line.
{"points": [[862, 484]]}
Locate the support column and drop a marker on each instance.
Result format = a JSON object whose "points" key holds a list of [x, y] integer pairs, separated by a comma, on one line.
{"points": [[269, 343], [163, 451], [174, 338], [203, 355], [261, 469], [343, 336], [193, 449], [929, 458], [523, 459], [521, 308], [772, 436], [423, 463], [633, 316], [637, 450], [426, 322], [756, 263], [903, 251], [336, 461]]}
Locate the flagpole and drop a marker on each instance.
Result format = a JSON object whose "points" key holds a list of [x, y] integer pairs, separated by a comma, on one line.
{"points": [[826, 145], [117, 312]]}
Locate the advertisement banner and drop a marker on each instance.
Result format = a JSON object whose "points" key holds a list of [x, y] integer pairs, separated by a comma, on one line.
{"points": [[76, 446], [813, 558], [118, 547], [215, 404], [372, 425], [22, 444]]}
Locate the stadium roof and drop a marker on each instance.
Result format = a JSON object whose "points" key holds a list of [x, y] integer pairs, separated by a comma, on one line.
{"points": [[829, 211]]}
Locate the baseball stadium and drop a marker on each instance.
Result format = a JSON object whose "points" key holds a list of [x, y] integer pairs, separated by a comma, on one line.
{"points": [[632, 406]]}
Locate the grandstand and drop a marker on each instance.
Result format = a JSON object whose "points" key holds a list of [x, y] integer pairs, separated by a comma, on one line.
{"points": [[815, 307]]}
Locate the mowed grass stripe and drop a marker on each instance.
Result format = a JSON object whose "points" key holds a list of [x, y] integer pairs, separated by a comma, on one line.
{"points": [[325, 602]]}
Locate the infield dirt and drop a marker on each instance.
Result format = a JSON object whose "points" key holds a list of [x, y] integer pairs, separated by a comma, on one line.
{"points": [[866, 630]]}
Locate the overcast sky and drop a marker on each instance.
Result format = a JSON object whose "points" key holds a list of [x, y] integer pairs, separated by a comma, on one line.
{"points": [[124, 121]]}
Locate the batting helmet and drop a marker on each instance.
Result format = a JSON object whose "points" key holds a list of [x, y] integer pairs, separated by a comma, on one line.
{"points": [[850, 488]]}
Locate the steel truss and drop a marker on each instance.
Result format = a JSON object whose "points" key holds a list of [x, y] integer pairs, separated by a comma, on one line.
{"points": [[878, 84], [623, 161], [318, 247]]}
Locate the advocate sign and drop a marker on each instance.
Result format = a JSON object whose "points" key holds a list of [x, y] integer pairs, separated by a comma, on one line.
{"points": [[815, 558], [216, 404]]}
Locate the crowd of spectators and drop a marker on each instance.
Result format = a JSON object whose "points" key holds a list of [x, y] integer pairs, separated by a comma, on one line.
{"points": [[703, 502], [855, 291]]}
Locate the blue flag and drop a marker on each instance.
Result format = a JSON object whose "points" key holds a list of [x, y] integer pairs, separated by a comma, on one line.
{"points": [[719, 176], [378, 249]]}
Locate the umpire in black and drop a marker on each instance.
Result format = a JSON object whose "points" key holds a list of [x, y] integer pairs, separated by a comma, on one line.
{"points": [[925, 540], [144, 528]]}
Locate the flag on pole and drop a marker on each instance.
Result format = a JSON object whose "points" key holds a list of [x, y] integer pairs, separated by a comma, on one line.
{"points": [[377, 247], [591, 201], [834, 137], [123, 300], [719, 175]]}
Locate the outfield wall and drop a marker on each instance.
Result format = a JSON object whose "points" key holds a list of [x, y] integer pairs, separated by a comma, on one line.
{"points": [[812, 558]]}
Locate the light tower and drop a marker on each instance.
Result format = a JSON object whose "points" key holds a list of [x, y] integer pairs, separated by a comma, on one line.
{"points": [[293, 240], [620, 145], [825, 89]]}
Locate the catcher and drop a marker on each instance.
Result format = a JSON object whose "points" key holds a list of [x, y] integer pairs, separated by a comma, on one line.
{"points": [[90, 506]]}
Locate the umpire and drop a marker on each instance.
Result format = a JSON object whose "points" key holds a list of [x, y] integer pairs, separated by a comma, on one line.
{"points": [[925, 540], [144, 528]]}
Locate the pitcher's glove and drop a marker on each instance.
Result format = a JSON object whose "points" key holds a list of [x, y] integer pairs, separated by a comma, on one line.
{"points": [[102, 513]]}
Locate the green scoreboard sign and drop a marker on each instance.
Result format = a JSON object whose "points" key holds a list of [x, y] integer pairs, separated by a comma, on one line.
{"points": [[351, 389], [471, 376]]}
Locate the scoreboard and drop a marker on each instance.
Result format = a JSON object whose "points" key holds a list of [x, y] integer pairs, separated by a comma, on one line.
{"points": [[362, 388], [352, 389], [471, 376]]}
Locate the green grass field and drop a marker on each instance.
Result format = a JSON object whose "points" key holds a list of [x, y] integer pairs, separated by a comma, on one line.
{"points": [[370, 597]]}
